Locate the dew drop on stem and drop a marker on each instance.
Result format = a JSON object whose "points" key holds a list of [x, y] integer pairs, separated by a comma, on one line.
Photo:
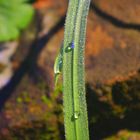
{"points": [[76, 115]]}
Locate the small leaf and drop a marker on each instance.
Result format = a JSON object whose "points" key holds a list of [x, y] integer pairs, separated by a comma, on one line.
{"points": [[58, 64], [14, 16], [74, 101]]}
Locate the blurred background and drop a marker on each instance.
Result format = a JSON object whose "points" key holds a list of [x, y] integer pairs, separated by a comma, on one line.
{"points": [[31, 33]]}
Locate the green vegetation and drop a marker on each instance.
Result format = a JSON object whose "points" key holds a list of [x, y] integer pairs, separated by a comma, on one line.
{"points": [[75, 112], [125, 135], [14, 16]]}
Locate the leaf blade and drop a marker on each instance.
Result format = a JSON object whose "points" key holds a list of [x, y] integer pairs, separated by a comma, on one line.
{"points": [[14, 16], [58, 64]]}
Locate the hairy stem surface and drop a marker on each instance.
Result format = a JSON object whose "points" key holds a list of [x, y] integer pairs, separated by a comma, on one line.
{"points": [[75, 112]]}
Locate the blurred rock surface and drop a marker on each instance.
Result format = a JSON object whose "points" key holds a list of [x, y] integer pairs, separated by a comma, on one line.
{"points": [[112, 71]]}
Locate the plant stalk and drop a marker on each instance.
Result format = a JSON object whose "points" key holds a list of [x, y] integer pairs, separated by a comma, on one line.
{"points": [[74, 101]]}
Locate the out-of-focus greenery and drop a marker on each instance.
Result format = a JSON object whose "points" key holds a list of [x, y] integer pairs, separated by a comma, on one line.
{"points": [[125, 135], [14, 16]]}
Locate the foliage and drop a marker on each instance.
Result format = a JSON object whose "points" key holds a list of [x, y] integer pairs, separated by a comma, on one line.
{"points": [[75, 113], [14, 16], [125, 135]]}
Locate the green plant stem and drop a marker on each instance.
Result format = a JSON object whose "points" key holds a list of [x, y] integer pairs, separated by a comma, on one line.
{"points": [[75, 112]]}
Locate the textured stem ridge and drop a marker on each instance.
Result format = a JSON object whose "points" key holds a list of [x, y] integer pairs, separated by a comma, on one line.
{"points": [[75, 112]]}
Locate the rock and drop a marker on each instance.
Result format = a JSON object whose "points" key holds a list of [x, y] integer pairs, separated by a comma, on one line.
{"points": [[111, 51], [112, 70], [125, 135], [127, 11], [5, 76], [30, 97], [6, 52]]}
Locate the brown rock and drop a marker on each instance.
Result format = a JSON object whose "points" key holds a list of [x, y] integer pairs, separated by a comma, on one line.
{"points": [[125, 10], [112, 52]]}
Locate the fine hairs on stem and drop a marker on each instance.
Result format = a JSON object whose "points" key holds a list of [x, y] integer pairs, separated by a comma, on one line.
{"points": [[71, 62]]}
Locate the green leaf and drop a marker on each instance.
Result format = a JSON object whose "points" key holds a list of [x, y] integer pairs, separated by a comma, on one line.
{"points": [[14, 16], [58, 64], [74, 101]]}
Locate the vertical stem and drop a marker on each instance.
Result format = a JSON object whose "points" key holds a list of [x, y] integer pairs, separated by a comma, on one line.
{"points": [[75, 112]]}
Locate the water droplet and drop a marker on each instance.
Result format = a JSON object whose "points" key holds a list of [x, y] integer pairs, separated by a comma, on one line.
{"points": [[76, 115], [69, 48], [60, 62]]}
